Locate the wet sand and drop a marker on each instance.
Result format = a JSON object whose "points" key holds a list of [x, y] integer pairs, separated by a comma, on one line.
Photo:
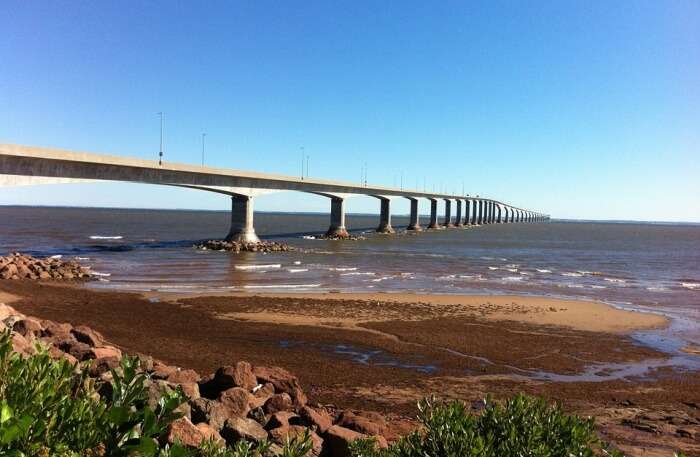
{"points": [[383, 352]]}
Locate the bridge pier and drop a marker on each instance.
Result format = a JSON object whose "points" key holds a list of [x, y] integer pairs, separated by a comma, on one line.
{"points": [[467, 208], [414, 223], [458, 214], [242, 230], [474, 216], [447, 221], [385, 217], [480, 214], [433, 214], [337, 228], [498, 214]]}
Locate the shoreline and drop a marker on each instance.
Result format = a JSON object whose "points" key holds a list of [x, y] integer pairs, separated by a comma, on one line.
{"points": [[410, 347]]}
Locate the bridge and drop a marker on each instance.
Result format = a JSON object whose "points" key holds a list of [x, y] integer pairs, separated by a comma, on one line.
{"points": [[26, 165]]}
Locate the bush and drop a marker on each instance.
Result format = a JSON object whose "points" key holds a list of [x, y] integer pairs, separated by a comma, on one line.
{"points": [[523, 426], [52, 408]]}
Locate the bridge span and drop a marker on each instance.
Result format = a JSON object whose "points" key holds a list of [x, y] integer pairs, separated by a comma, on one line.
{"points": [[26, 165]]}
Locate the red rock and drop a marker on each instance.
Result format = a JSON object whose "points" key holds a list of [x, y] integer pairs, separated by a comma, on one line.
{"points": [[7, 311], [278, 402], [210, 434], [241, 428], [279, 419], [106, 352], [56, 330], [163, 371], [21, 345], [103, 365], [281, 435], [282, 379], [184, 376], [56, 354], [191, 389], [226, 377], [80, 351], [363, 422], [87, 335], [317, 418], [237, 401], [27, 327], [262, 394], [184, 432], [337, 440]]}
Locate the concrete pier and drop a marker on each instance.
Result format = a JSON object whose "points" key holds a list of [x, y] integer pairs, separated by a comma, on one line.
{"points": [[447, 221], [498, 214], [385, 217], [467, 212], [433, 214], [414, 222], [480, 215], [475, 212], [242, 229], [337, 228], [458, 214]]}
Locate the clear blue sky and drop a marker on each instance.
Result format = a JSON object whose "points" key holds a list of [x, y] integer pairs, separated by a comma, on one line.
{"points": [[587, 109]]}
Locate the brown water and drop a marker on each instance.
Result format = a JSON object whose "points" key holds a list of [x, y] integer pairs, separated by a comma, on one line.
{"points": [[645, 266]]}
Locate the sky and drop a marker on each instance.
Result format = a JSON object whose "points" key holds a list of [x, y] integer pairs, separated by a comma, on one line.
{"points": [[580, 109]]}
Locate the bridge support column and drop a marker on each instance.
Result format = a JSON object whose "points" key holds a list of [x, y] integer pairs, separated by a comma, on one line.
{"points": [[467, 212], [493, 213], [475, 215], [512, 215], [458, 214], [433, 214], [447, 221], [385, 217], [499, 220], [242, 230], [480, 215], [414, 223], [337, 228]]}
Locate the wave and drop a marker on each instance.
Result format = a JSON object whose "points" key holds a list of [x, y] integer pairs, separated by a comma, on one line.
{"points": [[297, 270], [615, 280], [359, 273], [101, 237], [572, 275], [493, 268], [343, 269], [309, 237], [512, 278], [691, 285], [543, 270], [657, 289], [297, 262], [281, 286], [57, 256], [82, 258], [102, 275], [257, 267]]}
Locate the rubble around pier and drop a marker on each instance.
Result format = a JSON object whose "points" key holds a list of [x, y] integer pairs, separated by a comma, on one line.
{"points": [[236, 402], [21, 266], [235, 246]]}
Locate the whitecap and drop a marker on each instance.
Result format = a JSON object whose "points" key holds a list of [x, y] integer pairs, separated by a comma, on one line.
{"points": [[257, 267], [525, 273], [542, 270], [100, 237], [513, 278], [657, 289], [82, 258], [104, 275], [57, 256], [575, 286], [297, 262], [615, 280], [297, 270], [280, 286], [573, 275], [493, 268], [309, 237], [598, 287], [691, 285], [359, 273], [512, 270], [380, 279], [343, 269]]}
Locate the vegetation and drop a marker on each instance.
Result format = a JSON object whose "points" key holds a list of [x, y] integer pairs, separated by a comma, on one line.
{"points": [[523, 426], [52, 408]]}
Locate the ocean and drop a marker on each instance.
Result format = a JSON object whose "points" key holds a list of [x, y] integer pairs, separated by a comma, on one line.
{"points": [[652, 267]]}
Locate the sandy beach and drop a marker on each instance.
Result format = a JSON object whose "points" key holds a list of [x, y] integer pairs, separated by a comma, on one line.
{"points": [[385, 351]]}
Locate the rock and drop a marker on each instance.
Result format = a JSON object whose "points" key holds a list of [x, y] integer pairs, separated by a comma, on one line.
{"points": [[262, 392], [7, 311], [210, 434], [106, 352], [87, 335], [364, 422], [56, 330], [280, 419], [21, 345], [200, 408], [283, 381], [190, 389], [184, 432], [278, 402], [237, 401], [319, 419], [27, 327], [163, 371], [103, 365], [184, 376], [80, 351], [283, 434], [55, 353], [337, 440], [241, 428]]}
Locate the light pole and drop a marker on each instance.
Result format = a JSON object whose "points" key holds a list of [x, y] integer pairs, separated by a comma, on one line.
{"points": [[203, 135], [160, 154]]}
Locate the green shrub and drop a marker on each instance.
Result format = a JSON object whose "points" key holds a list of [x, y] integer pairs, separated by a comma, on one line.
{"points": [[523, 426], [52, 408]]}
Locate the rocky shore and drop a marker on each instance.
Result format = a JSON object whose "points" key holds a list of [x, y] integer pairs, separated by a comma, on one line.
{"points": [[236, 402], [234, 246], [18, 266]]}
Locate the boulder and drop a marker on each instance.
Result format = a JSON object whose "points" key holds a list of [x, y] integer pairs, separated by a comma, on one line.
{"points": [[278, 402], [27, 327], [87, 335], [21, 345], [200, 409], [280, 419], [318, 418], [106, 352], [237, 401], [80, 351], [182, 431], [337, 440], [242, 428], [210, 434], [7, 311], [184, 376], [262, 392], [283, 434], [163, 371], [226, 377], [103, 365], [364, 422]]}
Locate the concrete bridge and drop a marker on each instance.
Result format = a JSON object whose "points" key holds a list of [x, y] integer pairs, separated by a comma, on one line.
{"points": [[25, 165]]}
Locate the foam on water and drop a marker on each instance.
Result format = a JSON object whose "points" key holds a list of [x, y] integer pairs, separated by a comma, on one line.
{"points": [[281, 286], [691, 285], [101, 237], [297, 270], [258, 267]]}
